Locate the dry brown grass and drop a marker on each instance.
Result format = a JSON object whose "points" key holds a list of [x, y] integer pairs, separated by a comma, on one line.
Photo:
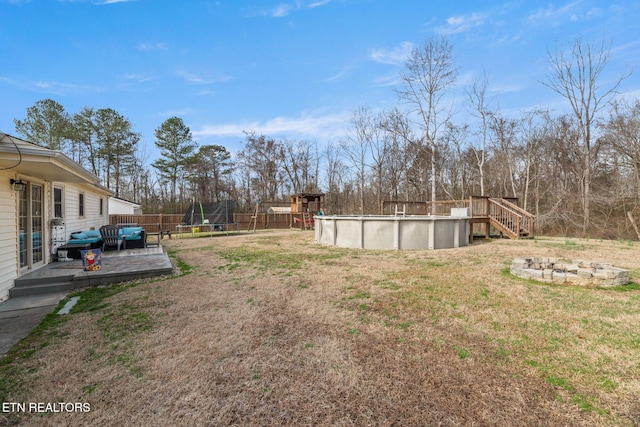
{"points": [[272, 329]]}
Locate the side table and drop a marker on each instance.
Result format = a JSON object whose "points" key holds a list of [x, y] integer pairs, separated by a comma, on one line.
{"points": [[152, 239]]}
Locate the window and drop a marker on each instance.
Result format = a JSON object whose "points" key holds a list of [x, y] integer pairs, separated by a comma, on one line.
{"points": [[57, 202], [101, 206], [81, 204]]}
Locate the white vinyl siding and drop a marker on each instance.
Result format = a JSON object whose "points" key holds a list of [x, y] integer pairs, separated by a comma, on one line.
{"points": [[92, 218], [8, 236]]}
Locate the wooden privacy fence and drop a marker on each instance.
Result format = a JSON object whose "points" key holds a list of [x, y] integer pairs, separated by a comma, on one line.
{"points": [[267, 220], [157, 222], [152, 223]]}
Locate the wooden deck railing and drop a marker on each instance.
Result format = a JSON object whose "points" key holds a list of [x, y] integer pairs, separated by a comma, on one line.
{"points": [[504, 219], [528, 221]]}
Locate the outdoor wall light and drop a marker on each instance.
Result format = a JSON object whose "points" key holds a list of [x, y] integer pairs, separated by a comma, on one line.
{"points": [[18, 185]]}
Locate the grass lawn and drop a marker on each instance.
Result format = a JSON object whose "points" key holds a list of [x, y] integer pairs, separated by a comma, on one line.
{"points": [[269, 328]]}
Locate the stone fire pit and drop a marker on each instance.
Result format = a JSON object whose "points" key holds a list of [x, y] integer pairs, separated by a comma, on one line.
{"points": [[576, 272]]}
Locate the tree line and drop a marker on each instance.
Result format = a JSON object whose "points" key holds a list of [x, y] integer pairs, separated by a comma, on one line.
{"points": [[578, 170]]}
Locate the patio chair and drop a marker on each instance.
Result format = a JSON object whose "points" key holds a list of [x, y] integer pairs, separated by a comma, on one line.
{"points": [[110, 237]]}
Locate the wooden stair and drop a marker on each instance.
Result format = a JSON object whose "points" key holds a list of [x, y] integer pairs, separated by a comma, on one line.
{"points": [[510, 219]]}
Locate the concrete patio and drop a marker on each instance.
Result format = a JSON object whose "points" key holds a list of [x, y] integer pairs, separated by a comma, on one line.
{"points": [[117, 266]]}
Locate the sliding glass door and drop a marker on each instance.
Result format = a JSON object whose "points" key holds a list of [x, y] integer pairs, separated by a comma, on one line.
{"points": [[31, 226]]}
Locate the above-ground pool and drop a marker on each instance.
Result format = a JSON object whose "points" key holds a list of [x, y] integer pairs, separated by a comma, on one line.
{"points": [[392, 232]]}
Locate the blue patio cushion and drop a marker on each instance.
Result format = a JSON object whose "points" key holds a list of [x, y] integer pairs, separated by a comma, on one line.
{"points": [[130, 233], [86, 236], [93, 233], [79, 235]]}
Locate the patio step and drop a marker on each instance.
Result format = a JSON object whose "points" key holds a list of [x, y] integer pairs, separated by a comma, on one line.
{"points": [[23, 290], [31, 280]]}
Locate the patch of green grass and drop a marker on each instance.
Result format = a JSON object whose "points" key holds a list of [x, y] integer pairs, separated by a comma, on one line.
{"points": [[463, 353], [404, 325], [631, 286], [608, 384], [428, 263], [503, 353], [88, 389], [360, 295], [583, 402], [183, 266], [125, 322], [560, 382], [387, 284], [93, 299], [264, 259]]}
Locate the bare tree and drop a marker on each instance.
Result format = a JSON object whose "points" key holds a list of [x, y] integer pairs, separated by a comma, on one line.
{"points": [[335, 171], [479, 104], [622, 132], [262, 158], [505, 143], [300, 164], [357, 146], [535, 128], [456, 139], [429, 75], [399, 134], [576, 75]]}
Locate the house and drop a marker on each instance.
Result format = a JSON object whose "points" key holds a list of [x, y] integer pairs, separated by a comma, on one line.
{"points": [[44, 197], [120, 206]]}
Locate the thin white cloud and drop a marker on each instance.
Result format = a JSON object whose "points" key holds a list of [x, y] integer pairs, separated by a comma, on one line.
{"points": [[326, 127], [113, 1], [338, 76], [595, 12], [505, 88], [196, 79], [176, 113], [392, 79], [395, 56], [629, 45], [63, 89], [462, 23], [206, 92], [284, 9], [51, 87], [138, 78], [151, 46], [319, 3], [281, 10], [553, 14]]}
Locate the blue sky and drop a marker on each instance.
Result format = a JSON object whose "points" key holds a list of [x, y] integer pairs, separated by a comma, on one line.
{"points": [[287, 69]]}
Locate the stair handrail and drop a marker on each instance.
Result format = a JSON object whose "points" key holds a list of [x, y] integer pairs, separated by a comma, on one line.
{"points": [[516, 208], [500, 218], [529, 222], [508, 209]]}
